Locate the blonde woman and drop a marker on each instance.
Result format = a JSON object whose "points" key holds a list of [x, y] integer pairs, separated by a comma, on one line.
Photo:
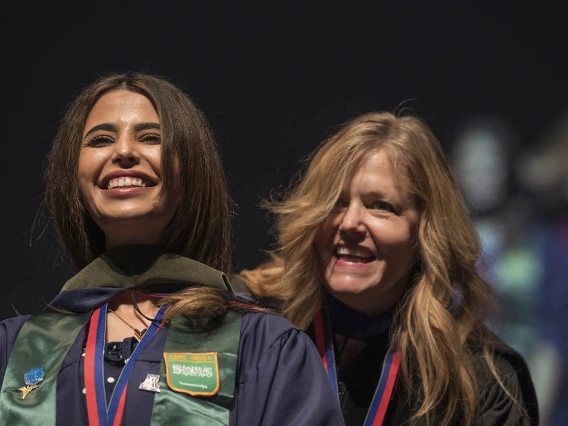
{"points": [[376, 259]]}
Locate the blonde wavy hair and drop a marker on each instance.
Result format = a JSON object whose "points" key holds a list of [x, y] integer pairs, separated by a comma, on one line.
{"points": [[438, 328]]}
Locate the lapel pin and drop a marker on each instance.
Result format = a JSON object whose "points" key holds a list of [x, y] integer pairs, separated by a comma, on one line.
{"points": [[32, 379], [152, 383]]}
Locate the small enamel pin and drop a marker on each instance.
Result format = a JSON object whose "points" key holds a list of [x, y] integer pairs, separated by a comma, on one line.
{"points": [[32, 379], [152, 383]]}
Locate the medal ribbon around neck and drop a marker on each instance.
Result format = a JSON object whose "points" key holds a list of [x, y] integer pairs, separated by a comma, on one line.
{"points": [[98, 413], [324, 344], [385, 387]]}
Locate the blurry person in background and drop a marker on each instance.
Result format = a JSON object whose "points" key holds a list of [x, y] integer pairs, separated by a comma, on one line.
{"points": [[542, 171], [481, 157], [517, 199], [483, 160]]}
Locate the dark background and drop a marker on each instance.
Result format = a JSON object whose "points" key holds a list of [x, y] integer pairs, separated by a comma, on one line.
{"points": [[273, 79]]}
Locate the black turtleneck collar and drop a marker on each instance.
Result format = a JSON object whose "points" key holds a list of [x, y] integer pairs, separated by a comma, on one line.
{"points": [[356, 324]]}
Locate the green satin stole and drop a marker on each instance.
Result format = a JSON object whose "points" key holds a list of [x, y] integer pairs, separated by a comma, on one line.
{"points": [[45, 339]]}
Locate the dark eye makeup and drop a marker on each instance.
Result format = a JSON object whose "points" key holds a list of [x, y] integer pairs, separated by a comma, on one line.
{"points": [[104, 140], [100, 140]]}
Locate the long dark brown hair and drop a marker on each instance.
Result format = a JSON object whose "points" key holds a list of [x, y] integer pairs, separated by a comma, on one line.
{"points": [[200, 228]]}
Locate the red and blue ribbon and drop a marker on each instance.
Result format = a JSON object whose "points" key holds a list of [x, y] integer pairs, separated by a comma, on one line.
{"points": [[324, 344], [381, 399], [98, 412], [385, 387]]}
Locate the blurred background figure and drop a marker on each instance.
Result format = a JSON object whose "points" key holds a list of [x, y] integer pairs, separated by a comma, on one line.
{"points": [[543, 173], [483, 157], [517, 199]]}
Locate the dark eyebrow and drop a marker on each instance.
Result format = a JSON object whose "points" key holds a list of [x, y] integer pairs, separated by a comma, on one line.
{"points": [[105, 126], [145, 126], [109, 127]]}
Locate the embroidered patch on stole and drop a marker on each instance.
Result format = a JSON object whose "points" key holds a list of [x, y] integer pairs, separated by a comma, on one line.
{"points": [[196, 374]]}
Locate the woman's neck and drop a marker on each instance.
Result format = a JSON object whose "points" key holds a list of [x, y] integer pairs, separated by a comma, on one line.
{"points": [[123, 317]]}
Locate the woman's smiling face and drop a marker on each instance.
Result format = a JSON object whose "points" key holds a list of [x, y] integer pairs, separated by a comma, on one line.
{"points": [[368, 244], [120, 172]]}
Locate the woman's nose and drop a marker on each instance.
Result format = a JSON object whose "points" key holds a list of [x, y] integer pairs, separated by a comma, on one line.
{"points": [[352, 220], [125, 151]]}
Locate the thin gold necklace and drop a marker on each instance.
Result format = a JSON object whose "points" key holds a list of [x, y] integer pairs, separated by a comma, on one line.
{"points": [[138, 333]]}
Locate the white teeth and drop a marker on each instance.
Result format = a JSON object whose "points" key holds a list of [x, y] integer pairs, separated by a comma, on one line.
{"points": [[352, 251], [125, 181]]}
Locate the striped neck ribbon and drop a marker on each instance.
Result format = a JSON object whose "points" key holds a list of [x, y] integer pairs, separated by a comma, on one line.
{"points": [[99, 413], [385, 387]]}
